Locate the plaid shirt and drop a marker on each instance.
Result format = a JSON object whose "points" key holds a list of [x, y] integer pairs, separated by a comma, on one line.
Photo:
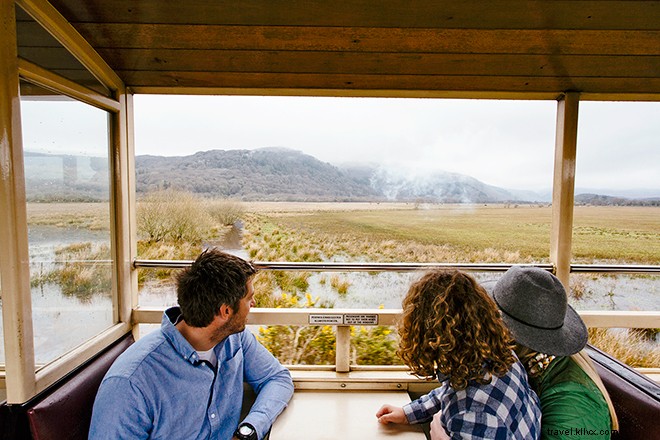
{"points": [[507, 408]]}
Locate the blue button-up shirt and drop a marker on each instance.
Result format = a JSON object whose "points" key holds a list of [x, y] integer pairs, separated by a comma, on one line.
{"points": [[158, 389]]}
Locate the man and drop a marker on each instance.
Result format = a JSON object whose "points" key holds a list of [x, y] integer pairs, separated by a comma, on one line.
{"points": [[185, 381]]}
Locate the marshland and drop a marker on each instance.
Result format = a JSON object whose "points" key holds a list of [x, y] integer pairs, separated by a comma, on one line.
{"points": [[178, 225]]}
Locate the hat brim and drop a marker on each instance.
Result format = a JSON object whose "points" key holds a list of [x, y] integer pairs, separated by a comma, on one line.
{"points": [[570, 338]]}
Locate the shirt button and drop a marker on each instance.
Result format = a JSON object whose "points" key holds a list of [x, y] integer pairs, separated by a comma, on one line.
{"points": [[213, 416]]}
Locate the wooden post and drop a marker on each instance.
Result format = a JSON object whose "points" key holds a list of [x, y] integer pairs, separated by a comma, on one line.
{"points": [[123, 204], [14, 255], [563, 190], [343, 349]]}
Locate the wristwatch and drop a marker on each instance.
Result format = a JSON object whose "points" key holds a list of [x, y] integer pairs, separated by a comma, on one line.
{"points": [[245, 431]]}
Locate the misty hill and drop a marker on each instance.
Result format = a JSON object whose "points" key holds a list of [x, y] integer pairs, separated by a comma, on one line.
{"points": [[442, 186], [603, 200], [284, 174], [273, 174], [262, 174], [65, 177]]}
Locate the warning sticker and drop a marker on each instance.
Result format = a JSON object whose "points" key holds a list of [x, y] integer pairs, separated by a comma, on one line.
{"points": [[371, 319], [326, 319]]}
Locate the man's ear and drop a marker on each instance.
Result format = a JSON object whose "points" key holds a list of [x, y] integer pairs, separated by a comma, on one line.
{"points": [[225, 312]]}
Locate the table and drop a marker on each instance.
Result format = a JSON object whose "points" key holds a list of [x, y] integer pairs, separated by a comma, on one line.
{"points": [[341, 415]]}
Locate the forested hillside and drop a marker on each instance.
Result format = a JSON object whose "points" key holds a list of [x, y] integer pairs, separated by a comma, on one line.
{"points": [[263, 174]]}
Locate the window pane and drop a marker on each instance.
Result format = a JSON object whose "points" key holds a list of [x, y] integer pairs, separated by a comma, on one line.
{"points": [[617, 213], [67, 188], [617, 220]]}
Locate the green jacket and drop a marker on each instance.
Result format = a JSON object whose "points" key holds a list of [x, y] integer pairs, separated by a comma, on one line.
{"points": [[572, 405]]}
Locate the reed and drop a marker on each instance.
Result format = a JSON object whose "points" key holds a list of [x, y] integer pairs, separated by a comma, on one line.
{"points": [[632, 347]]}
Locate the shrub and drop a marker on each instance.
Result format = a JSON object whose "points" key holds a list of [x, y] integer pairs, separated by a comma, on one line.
{"points": [[374, 346], [225, 212], [173, 215], [339, 284]]}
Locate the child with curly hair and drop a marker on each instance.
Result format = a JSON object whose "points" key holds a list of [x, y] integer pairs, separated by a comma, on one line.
{"points": [[452, 329]]}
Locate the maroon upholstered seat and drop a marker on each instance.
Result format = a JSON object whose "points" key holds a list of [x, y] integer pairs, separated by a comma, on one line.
{"points": [[636, 398], [65, 411]]}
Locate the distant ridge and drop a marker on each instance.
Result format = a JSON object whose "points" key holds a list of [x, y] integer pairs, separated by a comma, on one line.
{"points": [[276, 174], [262, 174], [603, 200], [289, 175]]}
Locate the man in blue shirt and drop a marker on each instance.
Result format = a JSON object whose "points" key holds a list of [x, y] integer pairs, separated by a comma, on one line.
{"points": [[186, 380]]}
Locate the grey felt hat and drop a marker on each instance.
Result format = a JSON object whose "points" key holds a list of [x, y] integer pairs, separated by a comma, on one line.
{"points": [[535, 309]]}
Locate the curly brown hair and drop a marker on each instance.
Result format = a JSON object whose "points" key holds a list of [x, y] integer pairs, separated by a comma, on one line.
{"points": [[450, 325]]}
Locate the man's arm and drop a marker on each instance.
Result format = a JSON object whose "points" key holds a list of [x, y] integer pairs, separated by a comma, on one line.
{"points": [[119, 412], [269, 379]]}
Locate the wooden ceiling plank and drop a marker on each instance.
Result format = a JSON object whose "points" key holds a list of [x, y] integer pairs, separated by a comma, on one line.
{"points": [[375, 63], [638, 86], [137, 36], [470, 14]]}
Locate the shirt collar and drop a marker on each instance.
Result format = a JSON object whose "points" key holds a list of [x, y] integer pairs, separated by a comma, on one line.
{"points": [[170, 318]]}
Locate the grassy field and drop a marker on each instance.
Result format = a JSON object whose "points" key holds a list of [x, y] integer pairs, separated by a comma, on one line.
{"points": [[453, 233], [459, 233]]}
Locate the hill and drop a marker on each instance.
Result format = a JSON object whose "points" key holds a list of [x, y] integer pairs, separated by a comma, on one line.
{"points": [[603, 200], [262, 174], [274, 174], [289, 175]]}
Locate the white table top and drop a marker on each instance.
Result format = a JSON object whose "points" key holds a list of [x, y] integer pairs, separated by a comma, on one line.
{"points": [[341, 415]]}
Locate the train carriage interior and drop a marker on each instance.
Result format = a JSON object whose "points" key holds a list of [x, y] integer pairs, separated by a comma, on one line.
{"points": [[102, 54]]}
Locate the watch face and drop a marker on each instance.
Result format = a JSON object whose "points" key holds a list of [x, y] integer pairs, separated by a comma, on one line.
{"points": [[245, 430]]}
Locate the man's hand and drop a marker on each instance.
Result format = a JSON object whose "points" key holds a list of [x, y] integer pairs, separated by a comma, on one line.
{"points": [[391, 414], [437, 430]]}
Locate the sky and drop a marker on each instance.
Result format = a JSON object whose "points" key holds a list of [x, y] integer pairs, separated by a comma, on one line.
{"points": [[504, 143]]}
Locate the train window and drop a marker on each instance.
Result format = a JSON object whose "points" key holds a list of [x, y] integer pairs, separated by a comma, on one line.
{"points": [[616, 220], [66, 158]]}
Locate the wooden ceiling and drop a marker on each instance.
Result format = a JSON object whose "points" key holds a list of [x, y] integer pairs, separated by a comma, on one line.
{"points": [[497, 49]]}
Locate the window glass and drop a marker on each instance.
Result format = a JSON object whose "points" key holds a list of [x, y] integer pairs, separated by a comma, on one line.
{"points": [[617, 220], [68, 204]]}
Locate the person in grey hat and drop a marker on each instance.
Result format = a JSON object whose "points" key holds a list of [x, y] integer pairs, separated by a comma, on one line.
{"points": [[550, 336]]}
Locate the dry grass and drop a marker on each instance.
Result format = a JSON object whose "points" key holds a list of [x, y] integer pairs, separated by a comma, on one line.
{"points": [[460, 233], [94, 216], [632, 347], [340, 284]]}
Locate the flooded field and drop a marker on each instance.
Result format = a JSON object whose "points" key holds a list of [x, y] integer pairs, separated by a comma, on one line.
{"points": [[62, 321]]}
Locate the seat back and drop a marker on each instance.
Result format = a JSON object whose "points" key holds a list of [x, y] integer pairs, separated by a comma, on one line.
{"points": [[636, 398], [65, 412]]}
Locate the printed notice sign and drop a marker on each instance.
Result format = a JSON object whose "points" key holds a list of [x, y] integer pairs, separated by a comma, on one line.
{"points": [[370, 319], [326, 319]]}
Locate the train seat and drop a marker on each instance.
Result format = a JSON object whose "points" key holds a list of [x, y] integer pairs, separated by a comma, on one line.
{"points": [[65, 411], [636, 398]]}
